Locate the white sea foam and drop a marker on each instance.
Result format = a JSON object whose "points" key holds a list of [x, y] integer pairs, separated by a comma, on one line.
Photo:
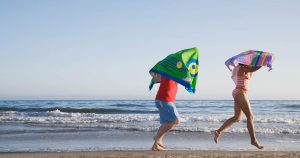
{"points": [[52, 116], [58, 113], [286, 119], [57, 116], [149, 122]]}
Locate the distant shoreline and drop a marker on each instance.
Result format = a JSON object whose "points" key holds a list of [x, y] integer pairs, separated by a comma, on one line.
{"points": [[153, 154]]}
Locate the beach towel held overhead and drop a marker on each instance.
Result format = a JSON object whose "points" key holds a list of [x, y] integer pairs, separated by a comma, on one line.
{"points": [[181, 67], [251, 58]]}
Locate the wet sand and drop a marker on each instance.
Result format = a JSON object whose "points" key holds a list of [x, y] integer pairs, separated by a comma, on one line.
{"points": [[161, 154]]}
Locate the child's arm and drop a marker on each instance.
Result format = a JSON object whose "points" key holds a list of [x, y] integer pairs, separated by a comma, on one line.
{"points": [[229, 64]]}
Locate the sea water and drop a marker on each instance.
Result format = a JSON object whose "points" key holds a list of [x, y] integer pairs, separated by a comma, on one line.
{"points": [[89, 125]]}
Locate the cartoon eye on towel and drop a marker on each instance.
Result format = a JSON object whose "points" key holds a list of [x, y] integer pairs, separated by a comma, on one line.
{"points": [[192, 66], [179, 65]]}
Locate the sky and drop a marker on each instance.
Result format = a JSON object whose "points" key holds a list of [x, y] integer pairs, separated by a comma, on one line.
{"points": [[103, 49]]}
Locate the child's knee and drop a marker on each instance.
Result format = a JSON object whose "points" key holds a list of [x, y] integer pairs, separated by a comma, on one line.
{"points": [[250, 117], [176, 122], [236, 118]]}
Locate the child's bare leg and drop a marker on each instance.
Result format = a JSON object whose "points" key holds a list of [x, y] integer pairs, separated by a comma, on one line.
{"points": [[154, 138], [246, 107], [166, 127], [236, 118], [156, 146]]}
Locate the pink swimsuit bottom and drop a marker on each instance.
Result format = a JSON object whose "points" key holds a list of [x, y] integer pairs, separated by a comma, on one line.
{"points": [[236, 90]]}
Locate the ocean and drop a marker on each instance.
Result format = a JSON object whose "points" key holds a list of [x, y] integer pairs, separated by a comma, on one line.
{"points": [[97, 125]]}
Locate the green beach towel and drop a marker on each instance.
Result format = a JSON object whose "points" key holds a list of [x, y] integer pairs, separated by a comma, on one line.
{"points": [[181, 67]]}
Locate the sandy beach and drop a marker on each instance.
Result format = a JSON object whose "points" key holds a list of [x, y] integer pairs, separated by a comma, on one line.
{"points": [[165, 154]]}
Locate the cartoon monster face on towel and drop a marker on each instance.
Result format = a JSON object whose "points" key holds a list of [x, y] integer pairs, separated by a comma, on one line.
{"points": [[181, 67]]}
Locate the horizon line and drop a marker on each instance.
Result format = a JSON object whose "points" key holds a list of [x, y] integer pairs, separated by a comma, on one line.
{"points": [[142, 100]]}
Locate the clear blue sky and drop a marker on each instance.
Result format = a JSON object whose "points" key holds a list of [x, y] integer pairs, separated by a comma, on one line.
{"points": [[68, 49]]}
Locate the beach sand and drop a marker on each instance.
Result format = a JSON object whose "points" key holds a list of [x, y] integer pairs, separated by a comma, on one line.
{"points": [[161, 154]]}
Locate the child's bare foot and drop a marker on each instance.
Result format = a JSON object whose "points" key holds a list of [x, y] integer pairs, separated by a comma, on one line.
{"points": [[159, 143], [157, 147], [256, 144], [216, 136]]}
